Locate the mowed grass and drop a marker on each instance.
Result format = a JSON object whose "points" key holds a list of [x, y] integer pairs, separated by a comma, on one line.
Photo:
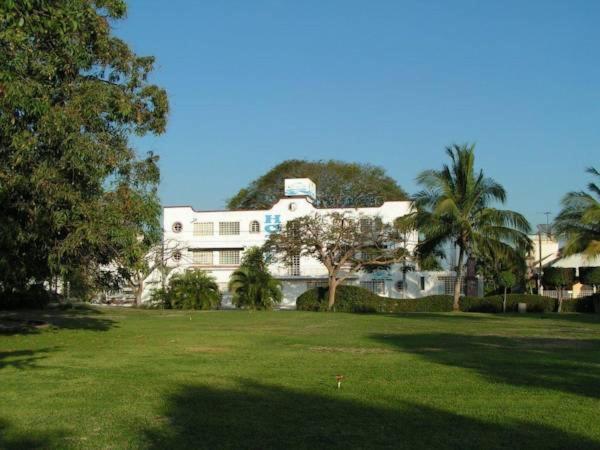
{"points": [[119, 378]]}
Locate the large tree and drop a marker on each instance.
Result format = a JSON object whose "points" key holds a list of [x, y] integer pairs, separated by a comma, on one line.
{"points": [[344, 244], [454, 208], [339, 184], [73, 192], [579, 220]]}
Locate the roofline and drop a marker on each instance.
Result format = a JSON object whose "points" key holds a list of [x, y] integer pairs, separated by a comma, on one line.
{"points": [[306, 197]]}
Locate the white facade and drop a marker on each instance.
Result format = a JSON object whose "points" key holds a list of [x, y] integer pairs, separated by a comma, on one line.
{"points": [[214, 241]]}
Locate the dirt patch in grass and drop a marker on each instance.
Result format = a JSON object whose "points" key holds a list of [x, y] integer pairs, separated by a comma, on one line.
{"points": [[207, 349], [355, 350]]}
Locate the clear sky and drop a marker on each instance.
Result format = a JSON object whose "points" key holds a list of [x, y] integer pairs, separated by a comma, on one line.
{"points": [[254, 82]]}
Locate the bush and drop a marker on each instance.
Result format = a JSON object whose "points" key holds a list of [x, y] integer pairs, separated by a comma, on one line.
{"points": [[431, 303], [347, 299], [589, 304], [356, 299], [189, 290], [35, 297]]}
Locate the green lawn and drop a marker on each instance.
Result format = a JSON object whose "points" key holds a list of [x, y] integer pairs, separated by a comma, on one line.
{"points": [[118, 378]]}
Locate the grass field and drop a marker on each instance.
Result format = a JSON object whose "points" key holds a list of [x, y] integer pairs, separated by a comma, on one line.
{"points": [[118, 378]]}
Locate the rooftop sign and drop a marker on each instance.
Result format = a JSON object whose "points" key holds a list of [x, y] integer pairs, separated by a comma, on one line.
{"points": [[300, 187]]}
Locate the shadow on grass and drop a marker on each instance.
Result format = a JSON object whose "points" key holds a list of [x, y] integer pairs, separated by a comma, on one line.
{"points": [[568, 365], [23, 359], [254, 416], [12, 439], [34, 321]]}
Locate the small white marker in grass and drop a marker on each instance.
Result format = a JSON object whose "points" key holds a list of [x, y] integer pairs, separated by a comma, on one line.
{"points": [[339, 379]]}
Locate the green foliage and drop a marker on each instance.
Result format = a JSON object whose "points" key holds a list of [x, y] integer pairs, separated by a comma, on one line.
{"points": [[590, 275], [507, 279], [558, 277], [252, 286], [454, 208], [348, 299], [34, 297], [431, 303], [356, 299], [579, 220], [339, 184], [191, 290], [73, 193], [588, 304]]}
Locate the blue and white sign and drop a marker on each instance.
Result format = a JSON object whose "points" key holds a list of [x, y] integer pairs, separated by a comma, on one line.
{"points": [[272, 223], [300, 187]]}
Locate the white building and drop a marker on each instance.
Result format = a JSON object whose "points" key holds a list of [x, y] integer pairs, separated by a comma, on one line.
{"points": [[214, 241]]}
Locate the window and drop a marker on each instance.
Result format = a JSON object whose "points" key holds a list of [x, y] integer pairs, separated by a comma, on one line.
{"points": [[254, 226], [316, 284], [399, 285], [177, 256], [375, 286], [422, 283], [204, 229], [366, 225], [229, 257], [204, 257], [294, 266], [447, 283], [177, 227], [229, 228]]}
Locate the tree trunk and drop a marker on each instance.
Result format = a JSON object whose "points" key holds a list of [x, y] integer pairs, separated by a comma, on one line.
{"points": [[504, 301], [458, 281], [332, 288], [138, 291], [559, 299]]}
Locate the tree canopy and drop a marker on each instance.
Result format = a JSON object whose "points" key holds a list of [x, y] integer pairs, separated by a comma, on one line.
{"points": [[579, 220], [339, 184], [73, 192], [344, 244], [455, 207]]}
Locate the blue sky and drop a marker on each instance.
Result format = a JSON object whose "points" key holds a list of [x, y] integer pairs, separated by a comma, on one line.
{"points": [[252, 83]]}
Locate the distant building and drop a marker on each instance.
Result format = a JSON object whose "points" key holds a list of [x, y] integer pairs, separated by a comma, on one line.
{"points": [[214, 241]]}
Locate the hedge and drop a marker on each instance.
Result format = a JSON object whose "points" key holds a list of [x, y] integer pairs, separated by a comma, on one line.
{"points": [[347, 299], [357, 299], [589, 304]]}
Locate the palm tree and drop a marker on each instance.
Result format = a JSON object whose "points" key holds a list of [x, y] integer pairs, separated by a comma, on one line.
{"points": [[454, 208], [579, 220], [193, 290], [252, 285]]}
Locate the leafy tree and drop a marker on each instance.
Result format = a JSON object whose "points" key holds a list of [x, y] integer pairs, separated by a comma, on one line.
{"points": [[579, 220], [342, 243], [558, 278], [506, 279], [252, 285], [339, 184], [193, 289], [454, 207], [73, 193], [590, 276]]}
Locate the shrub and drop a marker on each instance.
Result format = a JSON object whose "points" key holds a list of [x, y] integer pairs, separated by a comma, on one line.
{"points": [[355, 299], [589, 304], [431, 303], [193, 290], [347, 299], [252, 286]]}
